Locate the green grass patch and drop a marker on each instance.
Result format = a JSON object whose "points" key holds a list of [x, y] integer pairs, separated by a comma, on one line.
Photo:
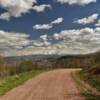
{"points": [[16, 80]]}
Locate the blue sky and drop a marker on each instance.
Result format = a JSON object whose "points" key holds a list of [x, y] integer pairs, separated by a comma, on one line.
{"points": [[49, 26]]}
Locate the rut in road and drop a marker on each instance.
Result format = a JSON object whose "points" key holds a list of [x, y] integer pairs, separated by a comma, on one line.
{"points": [[53, 85]]}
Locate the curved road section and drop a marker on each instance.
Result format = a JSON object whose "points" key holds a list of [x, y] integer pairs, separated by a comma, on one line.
{"points": [[52, 85]]}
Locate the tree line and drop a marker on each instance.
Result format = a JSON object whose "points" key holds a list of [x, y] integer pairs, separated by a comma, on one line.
{"points": [[16, 67]]}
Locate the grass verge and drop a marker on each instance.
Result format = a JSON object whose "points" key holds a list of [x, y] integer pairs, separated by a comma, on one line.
{"points": [[84, 90], [93, 80], [16, 80]]}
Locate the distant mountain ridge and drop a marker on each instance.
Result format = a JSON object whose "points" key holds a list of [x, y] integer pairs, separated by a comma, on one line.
{"points": [[31, 57], [85, 61]]}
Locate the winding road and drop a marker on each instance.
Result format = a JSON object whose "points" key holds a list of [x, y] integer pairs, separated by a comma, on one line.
{"points": [[52, 85]]}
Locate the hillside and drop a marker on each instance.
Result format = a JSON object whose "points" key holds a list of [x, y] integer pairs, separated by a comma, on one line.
{"points": [[59, 61], [92, 76]]}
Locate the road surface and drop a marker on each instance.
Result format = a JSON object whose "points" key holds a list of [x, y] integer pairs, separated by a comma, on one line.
{"points": [[52, 85]]}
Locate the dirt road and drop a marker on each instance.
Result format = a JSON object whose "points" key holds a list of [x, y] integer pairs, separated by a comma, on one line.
{"points": [[53, 85]]}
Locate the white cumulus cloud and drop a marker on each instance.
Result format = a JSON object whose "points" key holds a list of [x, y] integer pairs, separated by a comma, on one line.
{"points": [[87, 20], [57, 21], [79, 40], [50, 25], [43, 26], [5, 16], [79, 2], [74, 41], [16, 8], [12, 40], [41, 8]]}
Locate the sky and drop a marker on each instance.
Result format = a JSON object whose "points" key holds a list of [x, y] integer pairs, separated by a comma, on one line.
{"points": [[31, 27]]}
